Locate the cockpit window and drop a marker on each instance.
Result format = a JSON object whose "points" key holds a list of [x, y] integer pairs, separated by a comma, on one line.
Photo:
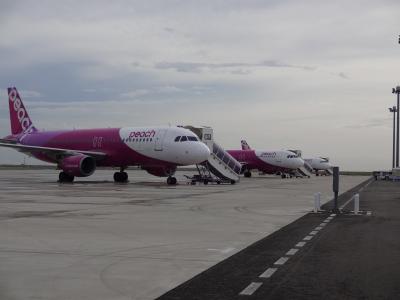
{"points": [[192, 138], [183, 139], [177, 138]]}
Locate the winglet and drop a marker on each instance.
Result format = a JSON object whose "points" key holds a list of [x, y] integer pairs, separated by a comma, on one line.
{"points": [[19, 118]]}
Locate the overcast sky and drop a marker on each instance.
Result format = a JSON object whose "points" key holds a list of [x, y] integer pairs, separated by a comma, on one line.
{"points": [[309, 75]]}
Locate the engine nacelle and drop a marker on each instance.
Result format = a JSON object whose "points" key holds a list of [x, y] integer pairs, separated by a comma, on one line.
{"points": [[78, 165], [160, 171]]}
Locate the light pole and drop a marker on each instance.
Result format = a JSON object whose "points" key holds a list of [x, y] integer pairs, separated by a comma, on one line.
{"points": [[397, 91], [393, 110]]}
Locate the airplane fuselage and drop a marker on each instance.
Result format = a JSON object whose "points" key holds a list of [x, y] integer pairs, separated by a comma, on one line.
{"points": [[269, 162]]}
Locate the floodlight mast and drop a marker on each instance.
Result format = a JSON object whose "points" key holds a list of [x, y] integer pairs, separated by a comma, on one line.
{"points": [[397, 91], [394, 111]]}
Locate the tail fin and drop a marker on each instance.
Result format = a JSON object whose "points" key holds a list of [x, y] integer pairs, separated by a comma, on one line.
{"points": [[19, 118], [245, 146]]}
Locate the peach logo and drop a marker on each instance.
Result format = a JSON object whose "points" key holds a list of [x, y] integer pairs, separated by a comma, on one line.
{"points": [[142, 134], [20, 110]]}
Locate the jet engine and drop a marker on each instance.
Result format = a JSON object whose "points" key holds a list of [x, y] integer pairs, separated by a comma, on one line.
{"points": [[161, 171], [78, 165]]}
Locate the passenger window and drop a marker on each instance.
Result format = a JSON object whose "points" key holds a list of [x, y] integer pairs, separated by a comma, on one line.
{"points": [[183, 139], [177, 138], [192, 138]]}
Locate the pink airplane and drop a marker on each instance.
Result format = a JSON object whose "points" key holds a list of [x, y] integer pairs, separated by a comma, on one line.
{"points": [[269, 162], [158, 150]]}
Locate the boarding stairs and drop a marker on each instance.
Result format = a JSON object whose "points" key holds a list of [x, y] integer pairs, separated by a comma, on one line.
{"points": [[306, 170], [220, 163]]}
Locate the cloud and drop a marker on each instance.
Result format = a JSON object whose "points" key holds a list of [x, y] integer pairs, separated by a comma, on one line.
{"points": [[268, 70], [232, 67]]}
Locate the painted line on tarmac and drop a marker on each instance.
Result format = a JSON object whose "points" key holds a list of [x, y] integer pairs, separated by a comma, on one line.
{"points": [[268, 273], [300, 244], [369, 213], [308, 238], [346, 203], [292, 251], [251, 288], [281, 261]]}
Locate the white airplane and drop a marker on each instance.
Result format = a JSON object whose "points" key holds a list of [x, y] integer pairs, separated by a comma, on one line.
{"points": [[320, 164]]}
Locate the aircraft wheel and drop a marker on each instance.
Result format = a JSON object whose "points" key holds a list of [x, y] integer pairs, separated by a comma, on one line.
{"points": [[233, 181], [205, 181], [283, 176], [64, 177], [124, 176], [247, 174], [171, 180]]}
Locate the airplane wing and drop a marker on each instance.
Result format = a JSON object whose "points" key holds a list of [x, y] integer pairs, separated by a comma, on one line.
{"points": [[49, 150]]}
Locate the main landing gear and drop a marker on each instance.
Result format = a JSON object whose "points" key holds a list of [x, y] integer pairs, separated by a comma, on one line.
{"points": [[171, 180], [64, 177], [121, 176]]}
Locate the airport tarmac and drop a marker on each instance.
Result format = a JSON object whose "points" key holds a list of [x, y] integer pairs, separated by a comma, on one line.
{"points": [[95, 239]]}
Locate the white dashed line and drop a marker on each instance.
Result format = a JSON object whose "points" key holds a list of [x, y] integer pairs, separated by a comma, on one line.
{"points": [[281, 261], [322, 224], [319, 228], [332, 215], [369, 213], [308, 237], [347, 202], [314, 232], [268, 273], [300, 244], [251, 288], [292, 251]]}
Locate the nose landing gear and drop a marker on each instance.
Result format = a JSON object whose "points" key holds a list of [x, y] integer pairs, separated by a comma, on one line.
{"points": [[247, 174]]}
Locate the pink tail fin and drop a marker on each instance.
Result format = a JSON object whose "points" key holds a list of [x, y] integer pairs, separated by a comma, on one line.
{"points": [[245, 146], [20, 121]]}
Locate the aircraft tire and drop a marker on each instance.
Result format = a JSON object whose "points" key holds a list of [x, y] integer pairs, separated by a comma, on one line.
{"points": [[171, 181], [247, 174], [124, 177], [64, 177]]}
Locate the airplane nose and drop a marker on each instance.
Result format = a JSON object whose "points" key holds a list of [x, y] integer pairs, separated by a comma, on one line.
{"points": [[299, 163], [202, 153]]}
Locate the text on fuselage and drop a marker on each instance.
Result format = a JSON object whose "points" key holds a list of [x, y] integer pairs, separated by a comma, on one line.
{"points": [[142, 134]]}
